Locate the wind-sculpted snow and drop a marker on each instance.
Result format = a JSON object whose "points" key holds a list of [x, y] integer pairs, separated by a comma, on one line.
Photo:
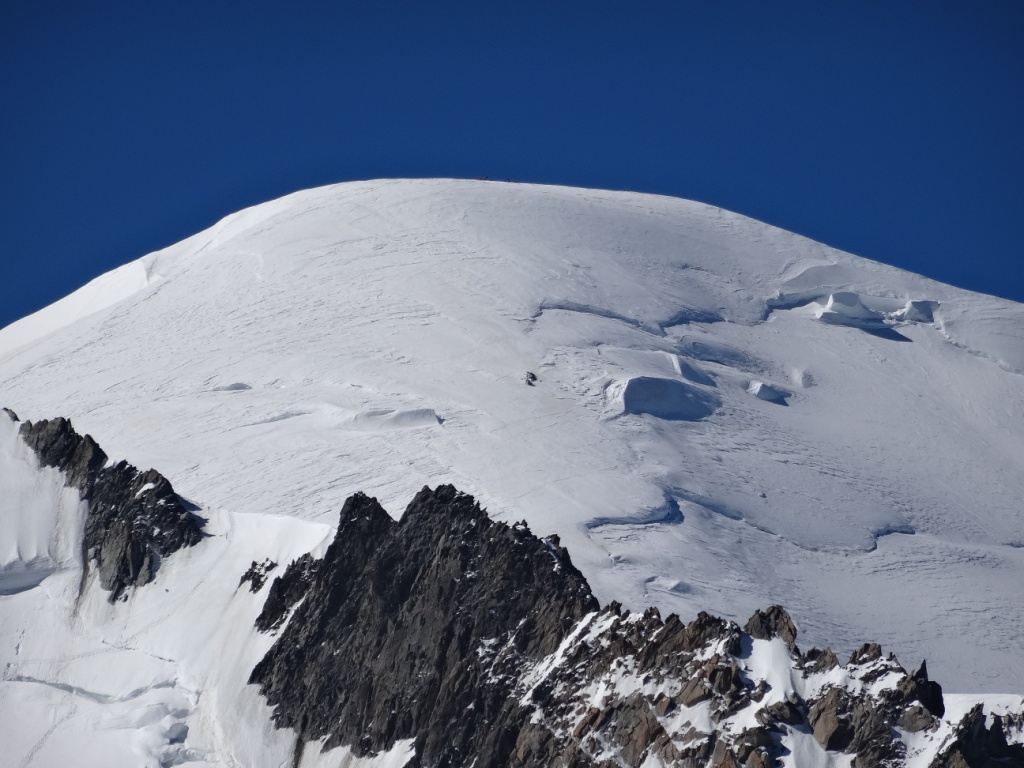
{"points": [[772, 394], [377, 336]]}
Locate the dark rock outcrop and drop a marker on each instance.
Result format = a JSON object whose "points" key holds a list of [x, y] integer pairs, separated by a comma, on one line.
{"points": [[477, 639], [419, 628], [866, 654], [285, 591], [872, 742], [915, 718], [785, 712], [256, 575], [775, 622], [919, 688], [484, 645], [865, 725], [829, 719], [134, 518]]}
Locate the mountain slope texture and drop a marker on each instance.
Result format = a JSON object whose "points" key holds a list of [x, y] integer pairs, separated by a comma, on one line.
{"points": [[666, 410]]}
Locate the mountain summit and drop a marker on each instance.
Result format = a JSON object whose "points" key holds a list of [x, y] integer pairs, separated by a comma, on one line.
{"points": [[711, 413]]}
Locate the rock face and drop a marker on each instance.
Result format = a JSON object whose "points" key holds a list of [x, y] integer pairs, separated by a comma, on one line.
{"points": [[976, 746], [863, 725], [134, 518], [927, 692], [256, 576], [484, 645], [775, 622], [830, 720], [420, 628]]}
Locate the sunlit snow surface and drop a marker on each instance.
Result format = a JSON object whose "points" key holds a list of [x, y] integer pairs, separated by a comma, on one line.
{"points": [[725, 415]]}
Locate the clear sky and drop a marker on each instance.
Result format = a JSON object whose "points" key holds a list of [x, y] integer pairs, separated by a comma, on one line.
{"points": [[894, 130]]}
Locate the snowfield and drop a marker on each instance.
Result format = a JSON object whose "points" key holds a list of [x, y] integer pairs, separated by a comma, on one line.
{"points": [[721, 415]]}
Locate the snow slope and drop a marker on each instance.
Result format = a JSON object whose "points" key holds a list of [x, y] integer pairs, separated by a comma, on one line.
{"points": [[726, 415], [148, 682]]}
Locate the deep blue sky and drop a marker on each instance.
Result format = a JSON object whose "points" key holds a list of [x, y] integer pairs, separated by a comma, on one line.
{"points": [[891, 129]]}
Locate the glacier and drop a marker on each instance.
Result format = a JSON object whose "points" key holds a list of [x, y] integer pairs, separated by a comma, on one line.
{"points": [[724, 416]]}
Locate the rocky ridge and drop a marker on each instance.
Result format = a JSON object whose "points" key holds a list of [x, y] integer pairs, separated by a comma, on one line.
{"points": [[482, 645], [419, 628], [485, 645], [134, 517]]}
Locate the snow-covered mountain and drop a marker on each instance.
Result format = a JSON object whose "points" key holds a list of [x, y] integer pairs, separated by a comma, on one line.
{"points": [[712, 414]]}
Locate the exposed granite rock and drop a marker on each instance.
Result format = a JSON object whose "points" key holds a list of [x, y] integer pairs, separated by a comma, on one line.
{"points": [[775, 622], [864, 725], [634, 726], [484, 645], [916, 718], [435, 628], [285, 591], [725, 758], [785, 712], [866, 654], [919, 688], [418, 629], [872, 742], [256, 576], [817, 660], [829, 719], [751, 740], [973, 745], [57, 444], [134, 518], [694, 692]]}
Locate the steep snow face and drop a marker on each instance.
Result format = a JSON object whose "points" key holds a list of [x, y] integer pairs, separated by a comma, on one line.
{"points": [[725, 415], [40, 518]]}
